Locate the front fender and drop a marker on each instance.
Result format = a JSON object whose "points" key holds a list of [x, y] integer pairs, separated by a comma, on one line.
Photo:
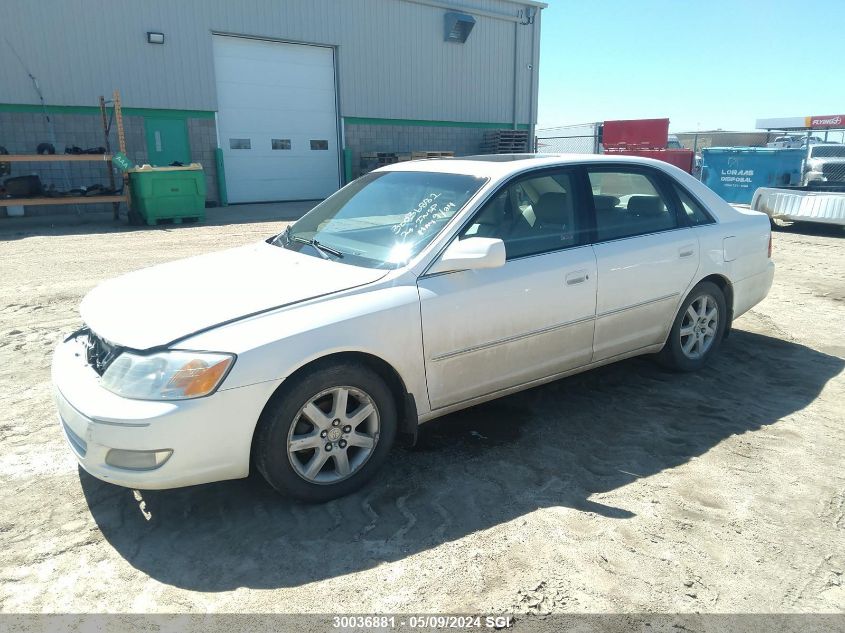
{"points": [[383, 322]]}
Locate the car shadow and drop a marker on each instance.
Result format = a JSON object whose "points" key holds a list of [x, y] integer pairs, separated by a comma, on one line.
{"points": [[812, 228], [555, 445]]}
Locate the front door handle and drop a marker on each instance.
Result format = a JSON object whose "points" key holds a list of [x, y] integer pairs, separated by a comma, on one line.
{"points": [[687, 251], [577, 277]]}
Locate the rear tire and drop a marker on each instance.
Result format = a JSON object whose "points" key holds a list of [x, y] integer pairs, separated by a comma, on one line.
{"points": [[697, 330], [326, 433]]}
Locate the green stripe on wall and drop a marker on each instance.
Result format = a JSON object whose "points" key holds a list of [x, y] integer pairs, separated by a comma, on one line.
{"points": [[146, 112], [209, 114], [354, 120]]}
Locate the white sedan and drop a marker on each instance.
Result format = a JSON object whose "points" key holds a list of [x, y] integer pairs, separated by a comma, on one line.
{"points": [[417, 290]]}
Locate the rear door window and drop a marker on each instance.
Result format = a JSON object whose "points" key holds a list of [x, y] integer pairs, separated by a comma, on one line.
{"points": [[628, 203]]}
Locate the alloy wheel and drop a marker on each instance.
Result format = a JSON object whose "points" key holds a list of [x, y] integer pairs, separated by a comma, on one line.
{"points": [[699, 326], [333, 435]]}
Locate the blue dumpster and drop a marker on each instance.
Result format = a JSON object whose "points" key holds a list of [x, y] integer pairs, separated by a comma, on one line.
{"points": [[735, 173]]}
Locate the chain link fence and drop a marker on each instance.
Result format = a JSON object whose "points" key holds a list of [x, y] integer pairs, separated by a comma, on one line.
{"points": [[697, 141], [568, 139], [584, 139], [566, 145]]}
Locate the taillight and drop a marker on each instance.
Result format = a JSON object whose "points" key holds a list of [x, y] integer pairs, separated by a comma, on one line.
{"points": [[770, 245]]}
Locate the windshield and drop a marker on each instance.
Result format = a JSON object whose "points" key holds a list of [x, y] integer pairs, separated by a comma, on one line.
{"points": [[828, 151], [382, 219]]}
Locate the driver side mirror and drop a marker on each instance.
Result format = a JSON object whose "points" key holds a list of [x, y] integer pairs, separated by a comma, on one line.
{"points": [[472, 253]]}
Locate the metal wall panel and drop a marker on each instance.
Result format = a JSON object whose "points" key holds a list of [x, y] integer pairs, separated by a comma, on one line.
{"points": [[392, 60]]}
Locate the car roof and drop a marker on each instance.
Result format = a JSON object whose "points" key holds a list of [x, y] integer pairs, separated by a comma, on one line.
{"points": [[503, 165]]}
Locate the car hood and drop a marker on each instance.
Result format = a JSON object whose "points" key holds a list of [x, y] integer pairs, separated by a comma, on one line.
{"points": [[159, 305]]}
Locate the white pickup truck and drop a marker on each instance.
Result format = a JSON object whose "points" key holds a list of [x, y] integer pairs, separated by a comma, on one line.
{"points": [[825, 163], [793, 140], [821, 198]]}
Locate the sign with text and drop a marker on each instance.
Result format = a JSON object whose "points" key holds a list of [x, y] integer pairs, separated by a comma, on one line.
{"points": [[122, 161], [826, 121]]}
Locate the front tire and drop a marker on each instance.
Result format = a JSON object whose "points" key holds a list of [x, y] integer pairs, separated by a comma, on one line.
{"points": [[326, 433], [697, 330]]}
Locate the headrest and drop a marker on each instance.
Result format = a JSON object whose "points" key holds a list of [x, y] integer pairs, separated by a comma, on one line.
{"points": [[604, 202], [551, 208], [646, 206]]}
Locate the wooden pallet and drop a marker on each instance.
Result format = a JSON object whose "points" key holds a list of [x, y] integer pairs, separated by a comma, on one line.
{"points": [[423, 155], [506, 133], [505, 142], [505, 149]]}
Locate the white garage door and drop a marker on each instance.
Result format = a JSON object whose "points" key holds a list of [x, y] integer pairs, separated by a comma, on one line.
{"points": [[276, 119]]}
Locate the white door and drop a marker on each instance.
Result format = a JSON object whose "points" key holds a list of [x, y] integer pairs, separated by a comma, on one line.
{"points": [[645, 258], [276, 119], [487, 330]]}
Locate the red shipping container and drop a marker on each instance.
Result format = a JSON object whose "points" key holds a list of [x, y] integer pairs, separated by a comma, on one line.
{"points": [[682, 158], [636, 133]]}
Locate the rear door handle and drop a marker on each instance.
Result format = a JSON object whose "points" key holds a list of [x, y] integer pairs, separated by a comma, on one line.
{"points": [[687, 251], [577, 277]]}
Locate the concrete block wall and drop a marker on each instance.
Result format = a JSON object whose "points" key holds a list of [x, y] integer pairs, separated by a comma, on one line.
{"points": [[410, 138]]}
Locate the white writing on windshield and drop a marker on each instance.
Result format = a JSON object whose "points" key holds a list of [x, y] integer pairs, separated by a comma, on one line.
{"points": [[424, 216]]}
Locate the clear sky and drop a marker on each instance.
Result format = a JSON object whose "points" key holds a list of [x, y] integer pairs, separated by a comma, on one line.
{"points": [[706, 64]]}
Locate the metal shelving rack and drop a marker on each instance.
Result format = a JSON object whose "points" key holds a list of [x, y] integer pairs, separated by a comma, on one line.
{"points": [[52, 158]]}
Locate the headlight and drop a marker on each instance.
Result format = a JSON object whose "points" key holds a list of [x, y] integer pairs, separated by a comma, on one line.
{"points": [[174, 375]]}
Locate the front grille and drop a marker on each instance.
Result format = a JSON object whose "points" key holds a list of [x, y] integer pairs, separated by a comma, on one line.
{"points": [[834, 172], [77, 443], [100, 353]]}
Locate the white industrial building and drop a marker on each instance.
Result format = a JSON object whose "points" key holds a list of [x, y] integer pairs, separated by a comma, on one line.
{"points": [[277, 99]]}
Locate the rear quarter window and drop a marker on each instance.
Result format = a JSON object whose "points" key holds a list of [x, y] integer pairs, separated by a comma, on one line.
{"points": [[696, 215]]}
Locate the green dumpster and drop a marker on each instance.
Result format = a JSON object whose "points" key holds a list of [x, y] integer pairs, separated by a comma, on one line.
{"points": [[168, 193]]}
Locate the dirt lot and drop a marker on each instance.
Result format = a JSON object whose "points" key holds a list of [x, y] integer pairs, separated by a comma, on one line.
{"points": [[622, 489]]}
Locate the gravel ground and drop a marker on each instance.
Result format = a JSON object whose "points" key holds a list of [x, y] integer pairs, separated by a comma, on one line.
{"points": [[623, 489]]}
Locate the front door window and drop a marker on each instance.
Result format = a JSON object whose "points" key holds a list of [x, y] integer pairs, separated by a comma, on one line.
{"points": [[533, 215]]}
